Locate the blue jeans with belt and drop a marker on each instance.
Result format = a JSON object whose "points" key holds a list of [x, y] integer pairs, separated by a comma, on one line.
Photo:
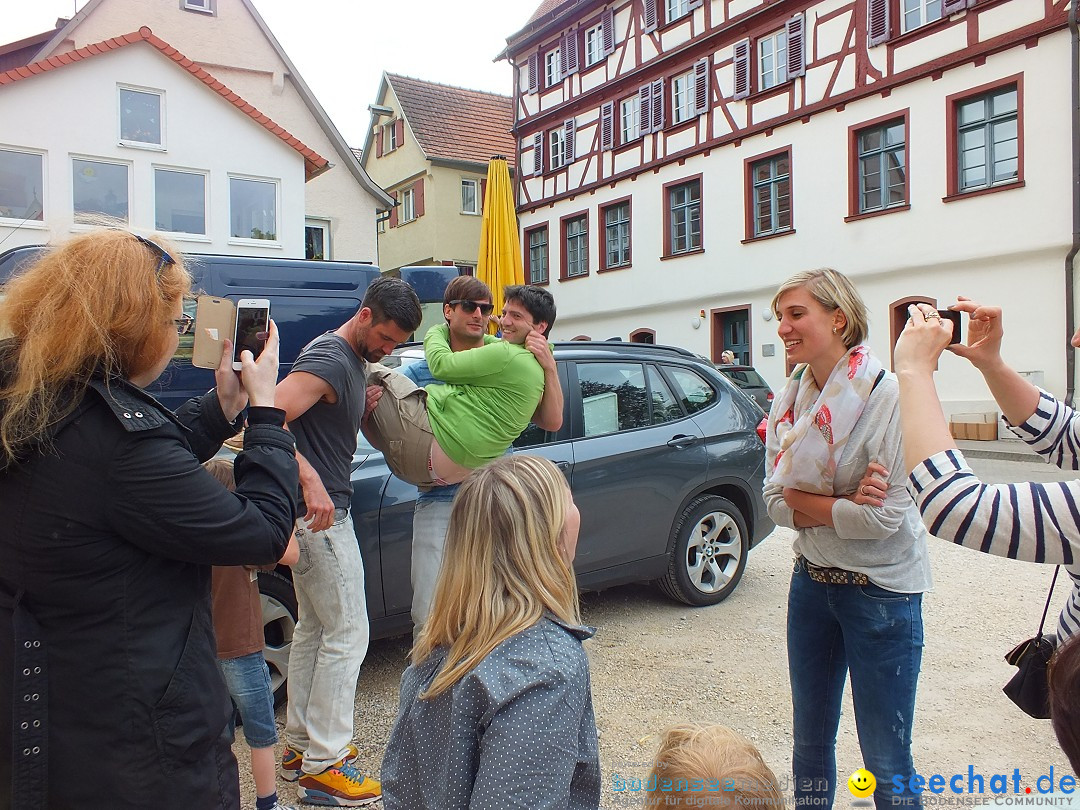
{"points": [[878, 636]]}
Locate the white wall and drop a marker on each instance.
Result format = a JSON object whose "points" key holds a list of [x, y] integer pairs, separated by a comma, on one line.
{"points": [[255, 72], [1006, 247], [73, 111]]}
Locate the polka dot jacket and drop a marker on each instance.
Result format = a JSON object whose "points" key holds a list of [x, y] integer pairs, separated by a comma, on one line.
{"points": [[516, 732]]}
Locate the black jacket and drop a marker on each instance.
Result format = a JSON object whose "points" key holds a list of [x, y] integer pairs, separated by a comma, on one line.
{"points": [[108, 534]]}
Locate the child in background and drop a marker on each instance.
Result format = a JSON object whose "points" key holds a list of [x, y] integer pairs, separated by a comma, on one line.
{"points": [[239, 630], [710, 766]]}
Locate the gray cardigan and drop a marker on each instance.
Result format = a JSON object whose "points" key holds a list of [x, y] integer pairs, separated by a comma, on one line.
{"points": [[515, 733], [887, 543]]}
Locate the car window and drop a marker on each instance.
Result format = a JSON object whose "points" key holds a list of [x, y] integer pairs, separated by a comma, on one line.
{"points": [[745, 378], [613, 397], [531, 436], [665, 407], [697, 393]]}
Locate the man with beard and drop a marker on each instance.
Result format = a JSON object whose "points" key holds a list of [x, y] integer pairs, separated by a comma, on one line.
{"points": [[323, 397]]}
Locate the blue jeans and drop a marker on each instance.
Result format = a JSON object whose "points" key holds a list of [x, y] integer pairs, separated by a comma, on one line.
{"points": [[878, 636], [248, 680], [431, 518]]}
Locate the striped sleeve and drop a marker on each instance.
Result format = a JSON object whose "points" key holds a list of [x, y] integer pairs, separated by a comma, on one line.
{"points": [[1026, 521], [1053, 432]]}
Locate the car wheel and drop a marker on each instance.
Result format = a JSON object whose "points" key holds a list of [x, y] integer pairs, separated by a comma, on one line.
{"points": [[709, 552], [279, 621]]}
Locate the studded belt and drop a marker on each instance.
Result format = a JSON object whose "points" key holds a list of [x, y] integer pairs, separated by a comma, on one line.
{"points": [[832, 576]]}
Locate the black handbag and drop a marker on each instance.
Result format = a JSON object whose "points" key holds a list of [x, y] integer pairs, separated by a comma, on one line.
{"points": [[1029, 688]]}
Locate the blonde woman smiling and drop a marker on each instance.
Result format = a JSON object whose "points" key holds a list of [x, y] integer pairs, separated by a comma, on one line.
{"points": [[496, 709]]}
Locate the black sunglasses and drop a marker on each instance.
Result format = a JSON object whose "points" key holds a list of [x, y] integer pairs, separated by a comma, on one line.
{"points": [[164, 258], [469, 307], [184, 324]]}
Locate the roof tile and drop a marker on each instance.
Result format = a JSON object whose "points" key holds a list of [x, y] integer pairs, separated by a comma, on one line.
{"points": [[453, 123]]}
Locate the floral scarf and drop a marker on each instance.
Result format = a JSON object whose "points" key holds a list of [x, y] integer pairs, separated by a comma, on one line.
{"points": [[809, 428]]}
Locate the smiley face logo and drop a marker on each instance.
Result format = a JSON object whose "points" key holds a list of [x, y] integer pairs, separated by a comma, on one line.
{"points": [[861, 783]]}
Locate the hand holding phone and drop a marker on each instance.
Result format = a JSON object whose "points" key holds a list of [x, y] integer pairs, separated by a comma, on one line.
{"points": [[252, 328]]}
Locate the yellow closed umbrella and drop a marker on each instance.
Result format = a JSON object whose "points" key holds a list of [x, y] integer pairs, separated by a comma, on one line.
{"points": [[499, 262]]}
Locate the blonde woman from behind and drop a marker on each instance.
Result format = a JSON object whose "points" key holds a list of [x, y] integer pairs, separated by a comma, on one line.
{"points": [[710, 766], [496, 708]]}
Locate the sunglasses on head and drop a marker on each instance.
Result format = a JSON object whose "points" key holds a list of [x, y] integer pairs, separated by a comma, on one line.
{"points": [[184, 324], [164, 258], [469, 307]]}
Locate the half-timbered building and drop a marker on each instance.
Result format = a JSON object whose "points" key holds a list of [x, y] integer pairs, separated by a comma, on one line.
{"points": [[679, 158]]}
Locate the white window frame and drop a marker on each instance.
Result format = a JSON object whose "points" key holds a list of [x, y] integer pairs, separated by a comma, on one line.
{"points": [[202, 7], [408, 205], [72, 157], [777, 73], [324, 226], [923, 8], [31, 223], [553, 67], [467, 181], [157, 147], [630, 130], [676, 9], [557, 148], [683, 98], [185, 235], [246, 240], [594, 45], [390, 137]]}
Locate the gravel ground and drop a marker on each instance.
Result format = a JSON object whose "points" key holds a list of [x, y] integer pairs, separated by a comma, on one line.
{"points": [[655, 662]]}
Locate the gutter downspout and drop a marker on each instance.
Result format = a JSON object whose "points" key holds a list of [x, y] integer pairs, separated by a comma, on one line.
{"points": [[1070, 273]]}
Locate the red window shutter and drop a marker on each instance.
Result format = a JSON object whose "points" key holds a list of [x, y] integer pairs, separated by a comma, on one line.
{"points": [[701, 86], [742, 68], [952, 6], [538, 153], [534, 72], [483, 193], [877, 14], [607, 22], [796, 45], [418, 197], [378, 142], [648, 15], [568, 131], [657, 122], [400, 124], [569, 52], [394, 210], [645, 116], [607, 125]]}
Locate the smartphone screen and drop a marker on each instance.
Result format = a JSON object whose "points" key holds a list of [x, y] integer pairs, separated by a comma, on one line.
{"points": [[252, 327], [953, 316]]}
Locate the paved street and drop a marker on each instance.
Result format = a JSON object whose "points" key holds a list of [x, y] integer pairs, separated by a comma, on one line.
{"points": [[655, 662]]}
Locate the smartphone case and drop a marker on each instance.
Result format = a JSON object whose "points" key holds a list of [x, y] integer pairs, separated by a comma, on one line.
{"points": [[215, 320]]}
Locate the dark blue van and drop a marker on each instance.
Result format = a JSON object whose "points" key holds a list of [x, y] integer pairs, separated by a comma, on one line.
{"points": [[307, 298]]}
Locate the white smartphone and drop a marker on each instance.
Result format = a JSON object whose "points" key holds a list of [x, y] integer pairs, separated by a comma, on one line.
{"points": [[252, 328]]}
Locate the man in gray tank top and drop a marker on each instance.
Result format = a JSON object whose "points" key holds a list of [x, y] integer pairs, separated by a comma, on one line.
{"points": [[324, 398]]}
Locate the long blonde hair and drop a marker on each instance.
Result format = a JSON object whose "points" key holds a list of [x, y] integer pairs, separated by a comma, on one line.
{"points": [[503, 566], [94, 303]]}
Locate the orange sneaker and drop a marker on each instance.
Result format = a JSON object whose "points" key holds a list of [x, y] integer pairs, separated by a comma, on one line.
{"points": [[340, 785], [292, 760]]}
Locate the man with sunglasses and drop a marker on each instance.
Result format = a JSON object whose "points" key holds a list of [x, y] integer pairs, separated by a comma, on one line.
{"points": [[466, 307]]}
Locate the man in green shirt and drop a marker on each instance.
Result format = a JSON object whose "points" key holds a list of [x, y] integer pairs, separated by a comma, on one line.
{"points": [[438, 435]]}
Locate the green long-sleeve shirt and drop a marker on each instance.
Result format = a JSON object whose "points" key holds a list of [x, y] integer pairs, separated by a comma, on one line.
{"points": [[490, 396]]}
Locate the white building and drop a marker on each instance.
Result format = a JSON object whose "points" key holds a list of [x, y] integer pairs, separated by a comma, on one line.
{"points": [[680, 158], [132, 129], [231, 40]]}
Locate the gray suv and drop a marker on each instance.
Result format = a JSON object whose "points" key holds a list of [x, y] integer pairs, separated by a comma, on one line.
{"points": [[665, 458]]}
